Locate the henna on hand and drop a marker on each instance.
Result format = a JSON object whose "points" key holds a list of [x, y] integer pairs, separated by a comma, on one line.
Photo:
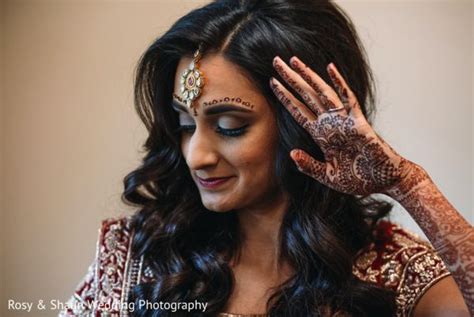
{"points": [[451, 235], [355, 163], [357, 160]]}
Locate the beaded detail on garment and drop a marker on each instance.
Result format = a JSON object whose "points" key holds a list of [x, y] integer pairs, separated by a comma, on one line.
{"points": [[401, 261], [398, 260]]}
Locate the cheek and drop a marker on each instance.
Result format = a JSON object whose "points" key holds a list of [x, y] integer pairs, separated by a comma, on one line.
{"points": [[184, 145], [256, 157]]}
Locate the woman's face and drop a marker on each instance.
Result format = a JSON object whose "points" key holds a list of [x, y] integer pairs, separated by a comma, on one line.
{"points": [[233, 135]]}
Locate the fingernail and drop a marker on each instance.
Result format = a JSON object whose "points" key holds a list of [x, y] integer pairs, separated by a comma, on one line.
{"points": [[294, 61], [294, 155], [272, 82], [275, 59]]}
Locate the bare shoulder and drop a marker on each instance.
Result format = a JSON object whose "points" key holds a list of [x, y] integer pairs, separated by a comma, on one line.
{"points": [[443, 299]]}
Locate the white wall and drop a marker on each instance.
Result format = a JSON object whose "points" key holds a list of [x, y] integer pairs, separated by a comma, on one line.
{"points": [[421, 54], [2, 72], [69, 134]]}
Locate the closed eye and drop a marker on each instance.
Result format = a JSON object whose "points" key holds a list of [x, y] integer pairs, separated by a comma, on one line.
{"points": [[225, 132]]}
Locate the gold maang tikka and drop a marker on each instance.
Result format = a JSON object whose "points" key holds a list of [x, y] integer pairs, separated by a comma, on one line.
{"points": [[192, 81]]}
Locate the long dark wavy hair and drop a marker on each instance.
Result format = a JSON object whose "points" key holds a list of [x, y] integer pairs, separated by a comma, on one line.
{"points": [[187, 246]]}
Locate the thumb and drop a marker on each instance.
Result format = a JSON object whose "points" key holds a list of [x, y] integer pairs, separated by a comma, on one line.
{"points": [[309, 165]]}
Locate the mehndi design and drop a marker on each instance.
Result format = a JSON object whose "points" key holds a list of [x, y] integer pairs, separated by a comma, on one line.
{"points": [[359, 162]]}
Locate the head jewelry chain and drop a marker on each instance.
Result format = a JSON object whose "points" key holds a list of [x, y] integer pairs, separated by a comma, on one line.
{"points": [[192, 82]]}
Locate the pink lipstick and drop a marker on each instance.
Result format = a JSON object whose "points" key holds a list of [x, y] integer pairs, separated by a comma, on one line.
{"points": [[212, 182]]}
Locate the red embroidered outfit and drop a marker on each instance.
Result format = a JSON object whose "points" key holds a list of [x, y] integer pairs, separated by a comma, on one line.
{"points": [[398, 260]]}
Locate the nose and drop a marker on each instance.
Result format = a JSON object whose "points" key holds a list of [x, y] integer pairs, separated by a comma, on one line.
{"points": [[200, 151]]}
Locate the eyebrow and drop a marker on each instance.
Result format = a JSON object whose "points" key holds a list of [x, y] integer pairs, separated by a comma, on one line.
{"points": [[211, 110]]}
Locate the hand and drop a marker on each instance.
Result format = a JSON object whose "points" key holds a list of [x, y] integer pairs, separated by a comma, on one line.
{"points": [[357, 160]]}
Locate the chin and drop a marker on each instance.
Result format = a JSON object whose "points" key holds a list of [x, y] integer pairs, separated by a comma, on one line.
{"points": [[218, 206]]}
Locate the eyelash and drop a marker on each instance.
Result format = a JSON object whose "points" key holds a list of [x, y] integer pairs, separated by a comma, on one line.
{"points": [[225, 132]]}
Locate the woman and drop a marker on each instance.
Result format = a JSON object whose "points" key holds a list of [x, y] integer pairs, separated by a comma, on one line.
{"points": [[253, 196]]}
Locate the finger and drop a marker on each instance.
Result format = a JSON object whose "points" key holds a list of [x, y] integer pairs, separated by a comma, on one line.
{"points": [[309, 165], [299, 85], [298, 110], [348, 98], [326, 95]]}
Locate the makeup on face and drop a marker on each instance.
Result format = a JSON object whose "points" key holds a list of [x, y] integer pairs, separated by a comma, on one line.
{"points": [[228, 136], [232, 119], [211, 183]]}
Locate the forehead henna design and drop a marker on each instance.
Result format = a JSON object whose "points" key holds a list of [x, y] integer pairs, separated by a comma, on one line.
{"points": [[236, 100], [229, 99]]}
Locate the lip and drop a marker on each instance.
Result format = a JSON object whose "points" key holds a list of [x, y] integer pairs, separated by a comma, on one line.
{"points": [[212, 182]]}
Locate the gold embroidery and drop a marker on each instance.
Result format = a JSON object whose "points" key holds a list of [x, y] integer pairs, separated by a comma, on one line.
{"points": [[391, 273], [410, 267], [365, 260], [80, 303], [404, 263], [423, 271]]}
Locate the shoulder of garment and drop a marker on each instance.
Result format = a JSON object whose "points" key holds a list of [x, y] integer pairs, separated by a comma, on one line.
{"points": [[110, 276], [400, 260], [397, 259]]}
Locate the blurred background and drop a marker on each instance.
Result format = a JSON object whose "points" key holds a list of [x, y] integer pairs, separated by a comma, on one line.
{"points": [[69, 134]]}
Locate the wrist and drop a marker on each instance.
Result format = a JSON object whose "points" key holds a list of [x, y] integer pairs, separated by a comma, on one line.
{"points": [[412, 176]]}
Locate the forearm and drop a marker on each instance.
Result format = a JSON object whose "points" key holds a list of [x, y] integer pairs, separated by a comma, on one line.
{"points": [[451, 235]]}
